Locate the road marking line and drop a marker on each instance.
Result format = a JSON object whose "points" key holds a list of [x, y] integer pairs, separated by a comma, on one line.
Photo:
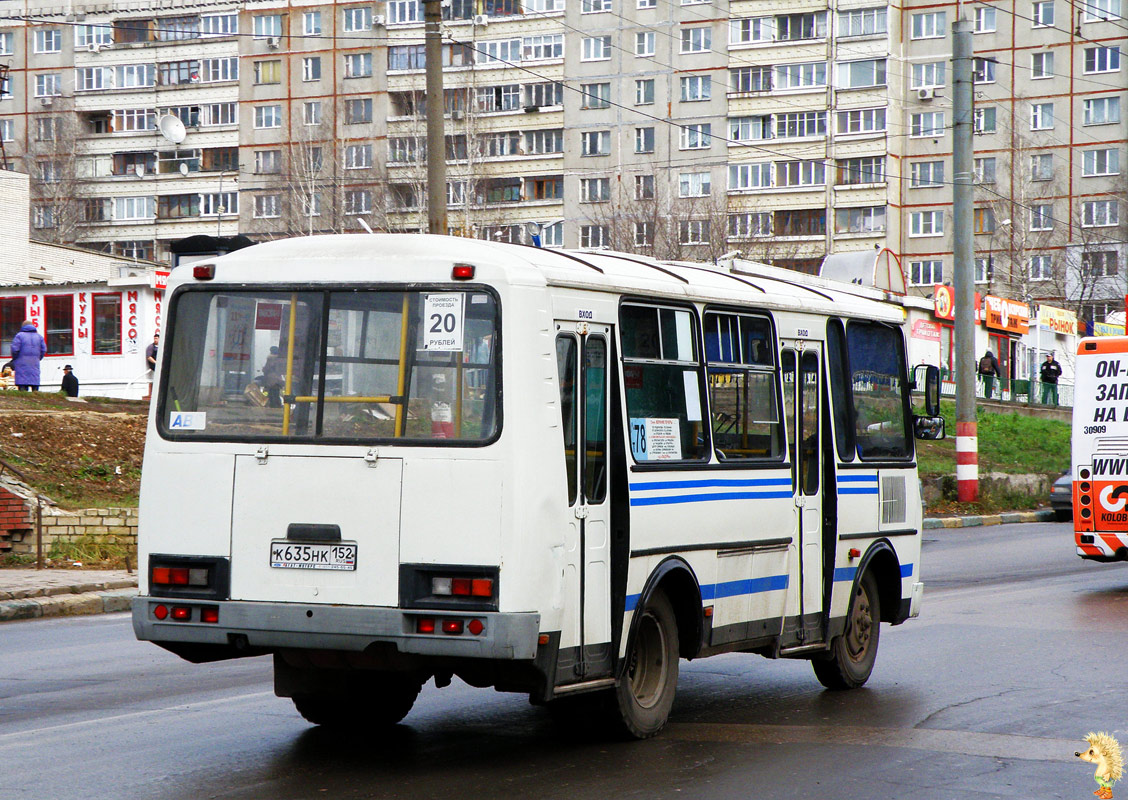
{"points": [[23, 737], [970, 743]]}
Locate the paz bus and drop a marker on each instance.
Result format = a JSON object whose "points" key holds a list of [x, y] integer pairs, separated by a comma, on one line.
{"points": [[1100, 449], [549, 472]]}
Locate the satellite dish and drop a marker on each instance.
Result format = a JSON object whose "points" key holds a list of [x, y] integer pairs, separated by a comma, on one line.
{"points": [[183, 168], [172, 128]]}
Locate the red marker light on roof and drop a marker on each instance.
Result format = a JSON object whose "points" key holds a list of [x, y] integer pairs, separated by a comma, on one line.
{"points": [[462, 272], [203, 272]]}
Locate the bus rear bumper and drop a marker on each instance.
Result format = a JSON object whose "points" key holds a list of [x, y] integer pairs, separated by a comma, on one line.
{"points": [[254, 628]]}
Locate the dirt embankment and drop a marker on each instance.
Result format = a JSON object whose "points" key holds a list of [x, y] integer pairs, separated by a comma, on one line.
{"points": [[78, 454]]}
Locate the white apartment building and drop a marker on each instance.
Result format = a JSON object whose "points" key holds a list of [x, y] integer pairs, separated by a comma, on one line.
{"points": [[684, 128]]}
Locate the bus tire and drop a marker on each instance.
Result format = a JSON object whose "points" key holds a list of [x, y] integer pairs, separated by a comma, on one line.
{"points": [[852, 655], [645, 692], [382, 700]]}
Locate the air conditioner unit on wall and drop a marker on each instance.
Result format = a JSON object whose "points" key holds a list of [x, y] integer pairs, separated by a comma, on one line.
{"points": [[379, 20], [273, 42], [926, 94], [46, 101], [481, 19]]}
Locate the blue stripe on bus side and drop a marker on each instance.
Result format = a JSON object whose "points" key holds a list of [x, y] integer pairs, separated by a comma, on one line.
{"points": [[663, 500], [716, 591], [857, 479], [870, 488], [847, 573], [709, 483], [865, 490]]}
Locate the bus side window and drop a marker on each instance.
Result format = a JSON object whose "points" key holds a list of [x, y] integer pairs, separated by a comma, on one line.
{"points": [[742, 387], [877, 364], [566, 370], [838, 366], [595, 419], [787, 367]]}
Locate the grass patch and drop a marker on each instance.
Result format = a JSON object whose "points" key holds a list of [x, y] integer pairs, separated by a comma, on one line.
{"points": [[109, 552]]}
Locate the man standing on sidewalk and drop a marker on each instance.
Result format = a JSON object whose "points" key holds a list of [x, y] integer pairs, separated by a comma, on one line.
{"points": [[1051, 371], [989, 370]]}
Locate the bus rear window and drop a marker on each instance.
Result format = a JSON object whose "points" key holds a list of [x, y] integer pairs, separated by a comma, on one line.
{"points": [[332, 366]]}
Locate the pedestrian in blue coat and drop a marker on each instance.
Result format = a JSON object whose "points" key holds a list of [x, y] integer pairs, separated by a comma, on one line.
{"points": [[28, 349]]}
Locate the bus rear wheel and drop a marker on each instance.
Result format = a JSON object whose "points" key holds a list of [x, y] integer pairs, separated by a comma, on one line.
{"points": [[645, 692], [381, 700], [852, 655]]}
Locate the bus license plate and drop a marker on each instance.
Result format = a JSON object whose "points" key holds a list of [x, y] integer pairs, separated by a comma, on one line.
{"points": [[285, 554]]}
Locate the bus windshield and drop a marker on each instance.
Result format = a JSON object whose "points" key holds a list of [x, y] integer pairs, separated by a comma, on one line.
{"points": [[332, 365]]}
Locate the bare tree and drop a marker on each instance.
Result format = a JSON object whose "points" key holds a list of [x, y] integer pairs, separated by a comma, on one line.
{"points": [[54, 161]]}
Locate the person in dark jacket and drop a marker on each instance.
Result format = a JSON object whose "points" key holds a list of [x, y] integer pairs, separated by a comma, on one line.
{"points": [[28, 349], [70, 382], [1051, 371], [989, 370]]}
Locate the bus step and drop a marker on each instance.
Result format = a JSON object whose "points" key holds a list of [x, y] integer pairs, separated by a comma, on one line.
{"points": [[803, 649], [584, 686]]}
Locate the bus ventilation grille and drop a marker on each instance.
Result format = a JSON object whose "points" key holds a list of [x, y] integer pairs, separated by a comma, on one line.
{"points": [[892, 499]]}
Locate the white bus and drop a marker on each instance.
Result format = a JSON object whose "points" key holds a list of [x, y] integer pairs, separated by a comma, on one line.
{"points": [[1100, 449], [386, 459]]}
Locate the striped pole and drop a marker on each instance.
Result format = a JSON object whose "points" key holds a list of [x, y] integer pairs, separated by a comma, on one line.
{"points": [[967, 462]]}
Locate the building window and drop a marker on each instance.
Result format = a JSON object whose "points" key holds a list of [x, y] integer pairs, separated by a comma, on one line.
{"points": [[644, 187], [268, 162], [696, 87], [46, 129], [358, 111], [267, 206], [744, 177], [983, 70], [12, 315], [983, 220], [593, 236], [862, 22], [596, 48], [926, 273], [7, 130], [800, 222], [220, 69], [1042, 14], [928, 123], [7, 38], [268, 72], [358, 156], [644, 92], [550, 187], [985, 17], [861, 74], [311, 68], [268, 117], [750, 129], [696, 136], [928, 75], [1041, 65], [643, 234], [47, 40], [1099, 264], [1100, 162], [744, 80], [867, 120], [1042, 167], [984, 169], [86, 35], [1100, 10], [868, 220], [1041, 267], [596, 95], [926, 223], [49, 85], [1042, 217], [267, 25], [926, 173], [542, 48], [58, 311], [694, 184], [644, 140], [861, 171], [219, 25], [800, 173], [311, 112], [800, 124], [752, 30], [644, 44], [311, 23], [544, 141], [594, 6], [359, 65], [1100, 213], [799, 27], [595, 143], [696, 40], [1041, 116], [595, 190], [693, 231], [802, 76], [542, 95], [984, 120], [134, 208], [1102, 59], [43, 216], [749, 224], [929, 26], [984, 269], [358, 19], [1100, 111]]}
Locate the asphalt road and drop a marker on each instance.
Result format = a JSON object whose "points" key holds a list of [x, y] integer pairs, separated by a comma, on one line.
{"points": [[1016, 657]]}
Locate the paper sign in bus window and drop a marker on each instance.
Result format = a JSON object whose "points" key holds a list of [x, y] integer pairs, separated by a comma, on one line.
{"points": [[656, 438], [443, 322], [692, 396]]}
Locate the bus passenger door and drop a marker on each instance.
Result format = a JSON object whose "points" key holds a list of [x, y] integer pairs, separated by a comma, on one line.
{"points": [[802, 375], [582, 360]]}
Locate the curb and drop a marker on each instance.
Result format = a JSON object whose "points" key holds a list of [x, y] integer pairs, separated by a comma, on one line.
{"points": [[1045, 515], [67, 603]]}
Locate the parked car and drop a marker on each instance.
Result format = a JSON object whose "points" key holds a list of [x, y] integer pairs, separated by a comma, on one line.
{"points": [[1061, 497]]}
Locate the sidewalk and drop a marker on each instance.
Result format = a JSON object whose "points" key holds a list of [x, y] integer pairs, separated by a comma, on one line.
{"points": [[31, 594]]}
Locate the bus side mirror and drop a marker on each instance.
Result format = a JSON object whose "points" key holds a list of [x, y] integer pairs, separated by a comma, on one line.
{"points": [[928, 427], [931, 388]]}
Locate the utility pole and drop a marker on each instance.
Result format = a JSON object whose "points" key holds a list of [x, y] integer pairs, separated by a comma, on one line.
{"points": [[967, 441], [436, 144]]}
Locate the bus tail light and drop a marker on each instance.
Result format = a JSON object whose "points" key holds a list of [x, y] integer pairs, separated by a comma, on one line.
{"points": [[210, 614], [475, 626], [425, 625], [189, 576], [181, 613], [452, 626], [458, 588]]}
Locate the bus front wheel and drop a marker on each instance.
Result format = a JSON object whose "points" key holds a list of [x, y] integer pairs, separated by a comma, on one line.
{"points": [[645, 692], [382, 700], [852, 655]]}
